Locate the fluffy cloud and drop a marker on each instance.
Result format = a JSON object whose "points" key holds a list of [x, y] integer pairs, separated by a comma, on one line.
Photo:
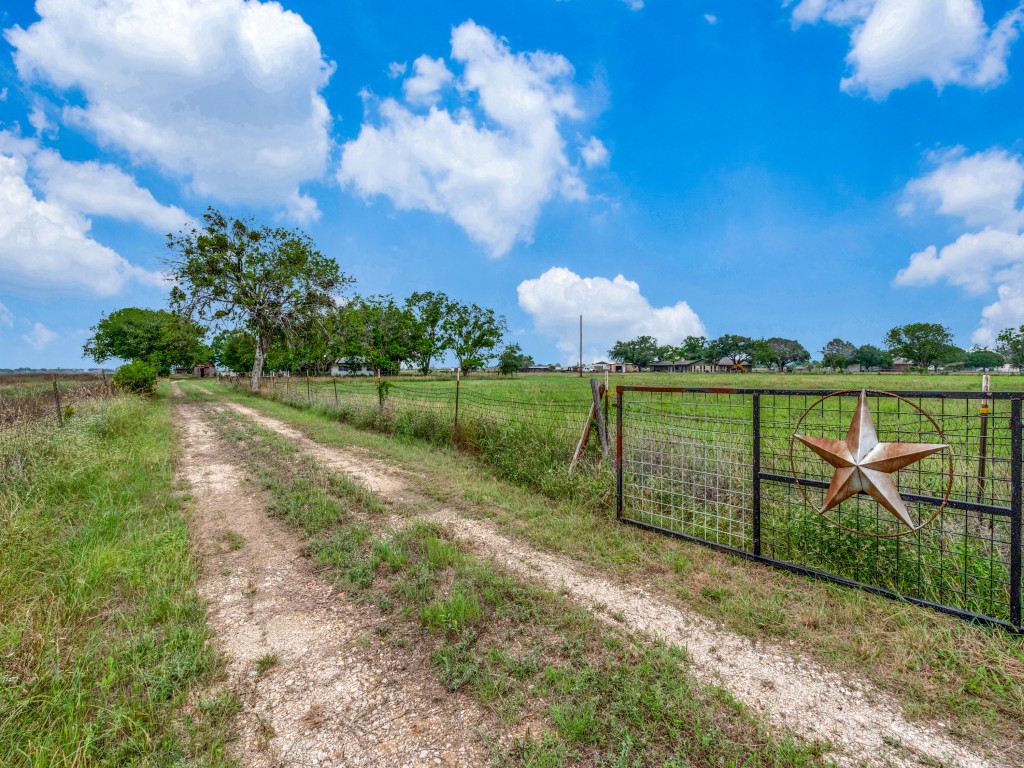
{"points": [[983, 190], [39, 337], [490, 163], [425, 86], [92, 188], [223, 93], [45, 246], [594, 153], [612, 309], [898, 42]]}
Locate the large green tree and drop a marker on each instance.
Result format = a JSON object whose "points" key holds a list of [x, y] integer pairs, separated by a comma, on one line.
{"points": [[838, 353], [979, 357], [739, 349], [1010, 344], [512, 359], [429, 309], [924, 344], [784, 352], [380, 333], [270, 281], [870, 356], [641, 351], [159, 338], [472, 334]]}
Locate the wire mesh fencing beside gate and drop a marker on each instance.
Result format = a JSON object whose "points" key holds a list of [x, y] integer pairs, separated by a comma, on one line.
{"points": [[723, 467], [443, 410]]}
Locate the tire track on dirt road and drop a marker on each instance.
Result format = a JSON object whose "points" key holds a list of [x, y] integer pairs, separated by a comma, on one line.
{"points": [[866, 725], [329, 698]]}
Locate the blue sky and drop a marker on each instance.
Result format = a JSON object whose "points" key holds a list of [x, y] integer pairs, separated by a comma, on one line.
{"points": [[808, 169]]}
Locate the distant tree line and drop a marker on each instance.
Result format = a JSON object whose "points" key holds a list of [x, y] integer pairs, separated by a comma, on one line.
{"points": [[271, 299], [924, 345]]}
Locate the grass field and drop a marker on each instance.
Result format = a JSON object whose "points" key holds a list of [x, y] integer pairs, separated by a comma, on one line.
{"points": [[688, 463], [942, 669], [105, 654]]}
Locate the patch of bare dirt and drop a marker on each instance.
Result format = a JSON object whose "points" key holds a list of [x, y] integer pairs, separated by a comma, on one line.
{"points": [[330, 692], [867, 726]]}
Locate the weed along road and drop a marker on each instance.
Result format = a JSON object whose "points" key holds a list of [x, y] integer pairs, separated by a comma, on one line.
{"points": [[378, 596]]}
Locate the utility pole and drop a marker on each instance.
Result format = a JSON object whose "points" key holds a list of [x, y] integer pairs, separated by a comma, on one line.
{"points": [[581, 346]]}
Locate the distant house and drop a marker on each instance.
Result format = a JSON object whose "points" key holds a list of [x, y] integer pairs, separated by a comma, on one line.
{"points": [[901, 364], [724, 365], [604, 366], [543, 369], [204, 370], [341, 368]]}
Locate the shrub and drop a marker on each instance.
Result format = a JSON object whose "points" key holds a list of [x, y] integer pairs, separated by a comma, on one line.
{"points": [[136, 377]]}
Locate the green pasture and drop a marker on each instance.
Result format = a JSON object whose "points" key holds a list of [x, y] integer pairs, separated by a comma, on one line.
{"points": [[689, 458]]}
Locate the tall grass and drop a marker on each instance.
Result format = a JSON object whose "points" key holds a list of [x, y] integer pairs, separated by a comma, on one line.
{"points": [[104, 644]]}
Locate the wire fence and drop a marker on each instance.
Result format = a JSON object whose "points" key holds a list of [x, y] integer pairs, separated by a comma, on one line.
{"points": [[727, 468], [446, 410], [31, 407]]}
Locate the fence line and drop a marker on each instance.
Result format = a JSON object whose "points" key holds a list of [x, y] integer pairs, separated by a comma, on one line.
{"points": [[444, 409], [39, 409]]}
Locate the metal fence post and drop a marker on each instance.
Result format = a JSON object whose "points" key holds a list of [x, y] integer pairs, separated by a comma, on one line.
{"points": [[1016, 544], [56, 399], [458, 386], [334, 380], [618, 451], [756, 485]]}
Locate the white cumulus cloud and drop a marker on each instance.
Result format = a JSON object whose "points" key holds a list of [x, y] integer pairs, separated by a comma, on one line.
{"points": [[45, 247], [594, 153], [613, 310], [894, 43], [224, 94], [92, 188], [489, 164], [425, 86], [39, 337], [982, 190]]}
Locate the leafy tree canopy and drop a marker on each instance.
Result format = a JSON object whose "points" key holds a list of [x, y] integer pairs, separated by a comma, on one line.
{"points": [[1010, 344], [157, 337], [983, 358], [641, 351], [838, 353], [784, 352], [270, 281], [512, 359], [870, 356], [472, 334], [740, 349], [924, 344], [429, 310]]}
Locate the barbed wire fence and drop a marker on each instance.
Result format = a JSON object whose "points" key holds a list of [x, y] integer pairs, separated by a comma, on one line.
{"points": [[33, 407]]}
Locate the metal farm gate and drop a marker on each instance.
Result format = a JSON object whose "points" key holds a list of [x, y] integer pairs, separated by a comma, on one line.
{"points": [[915, 495]]}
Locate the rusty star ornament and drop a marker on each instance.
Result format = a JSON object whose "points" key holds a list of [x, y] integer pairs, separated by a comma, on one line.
{"points": [[865, 465]]}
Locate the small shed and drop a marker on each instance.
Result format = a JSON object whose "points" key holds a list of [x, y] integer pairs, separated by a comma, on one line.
{"points": [[204, 370]]}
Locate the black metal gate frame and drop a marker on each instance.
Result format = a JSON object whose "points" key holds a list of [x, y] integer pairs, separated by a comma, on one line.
{"points": [[1013, 512]]}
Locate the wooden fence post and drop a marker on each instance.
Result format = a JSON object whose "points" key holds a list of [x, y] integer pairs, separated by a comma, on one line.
{"points": [[56, 399], [334, 380], [309, 393]]}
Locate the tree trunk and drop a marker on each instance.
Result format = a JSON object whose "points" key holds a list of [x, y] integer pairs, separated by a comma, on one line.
{"points": [[257, 364]]}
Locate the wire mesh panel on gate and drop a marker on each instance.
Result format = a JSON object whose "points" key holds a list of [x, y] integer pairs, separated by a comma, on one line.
{"points": [[686, 464], [732, 468]]}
